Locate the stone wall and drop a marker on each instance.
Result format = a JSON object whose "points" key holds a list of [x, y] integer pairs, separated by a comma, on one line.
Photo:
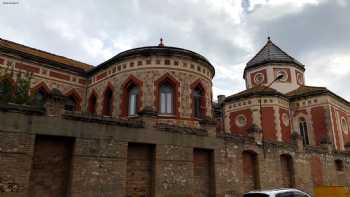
{"points": [[107, 160]]}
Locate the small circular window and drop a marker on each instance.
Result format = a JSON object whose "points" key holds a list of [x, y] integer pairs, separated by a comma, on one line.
{"points": [[259, 78], [284, 75], [300, 79], [285, 119], [241, 120], [344, 125]]}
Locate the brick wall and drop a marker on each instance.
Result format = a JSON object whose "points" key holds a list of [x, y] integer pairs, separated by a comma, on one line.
{"points": [[235, 127], [319, 123], [268, 123]]}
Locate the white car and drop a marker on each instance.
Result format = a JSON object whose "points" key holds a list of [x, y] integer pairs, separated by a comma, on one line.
{"points": [[277, 193]]}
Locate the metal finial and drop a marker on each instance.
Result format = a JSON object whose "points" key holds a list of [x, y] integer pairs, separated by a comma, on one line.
{"points": [[268, 38], [161, 43]]}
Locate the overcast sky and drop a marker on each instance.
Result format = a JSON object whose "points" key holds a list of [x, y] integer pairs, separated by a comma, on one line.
{"points": [[227, 32]]}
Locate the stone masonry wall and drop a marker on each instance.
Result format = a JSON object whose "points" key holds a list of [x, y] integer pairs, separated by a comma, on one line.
{"points": [[148, 74], [99, 165]]}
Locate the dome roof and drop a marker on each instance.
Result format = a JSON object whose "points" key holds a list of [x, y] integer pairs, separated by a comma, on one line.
{"points": [[154, 50], [271, 53]]}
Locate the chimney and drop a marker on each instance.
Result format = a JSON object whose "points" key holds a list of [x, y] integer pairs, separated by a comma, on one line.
{"points": [[221, 98]]}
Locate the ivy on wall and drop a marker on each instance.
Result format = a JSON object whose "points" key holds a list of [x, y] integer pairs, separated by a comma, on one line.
{"points": [[15, 91]]}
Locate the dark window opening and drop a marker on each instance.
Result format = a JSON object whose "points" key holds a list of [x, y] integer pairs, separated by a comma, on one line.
{"points": [[108, 102], [92, 104], [339, 166], [303, 131], [71, 104], [6, 89], [198, 102], [40, 97]]}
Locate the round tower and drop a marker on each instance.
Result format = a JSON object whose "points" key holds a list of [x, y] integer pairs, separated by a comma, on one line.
{"points": [[172, 83]]}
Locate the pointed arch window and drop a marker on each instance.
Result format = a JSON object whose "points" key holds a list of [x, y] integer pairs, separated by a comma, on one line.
{"points": [[133, 97], [166, 98], [304, 131], [131, 101], [71, 104], [167, 95], [107, 102], [198, 101], [92, 104]]}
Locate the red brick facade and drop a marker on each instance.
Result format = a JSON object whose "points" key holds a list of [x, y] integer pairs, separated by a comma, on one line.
{"points": [[285, 128], [268, 123], [242, 130], [252, 77], [319, 124], [27, 68]]}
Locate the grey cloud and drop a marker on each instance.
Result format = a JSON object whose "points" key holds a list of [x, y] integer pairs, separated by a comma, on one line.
{"points": [[318, 30], [322, 28]]}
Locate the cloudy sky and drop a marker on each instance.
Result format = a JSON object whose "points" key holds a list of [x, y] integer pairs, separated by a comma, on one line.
{"points": [[227, 32]]}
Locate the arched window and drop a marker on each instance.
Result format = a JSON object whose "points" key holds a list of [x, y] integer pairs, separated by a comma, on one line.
{"points": [[166, 99], [133, 94], [92, 103], [287, 170], [107, 102], [130, 101], [198, 102], [71, 104], [303, 131], [167, 95]]}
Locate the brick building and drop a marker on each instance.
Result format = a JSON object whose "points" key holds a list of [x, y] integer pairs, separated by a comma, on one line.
{"points": [[143, 123]]}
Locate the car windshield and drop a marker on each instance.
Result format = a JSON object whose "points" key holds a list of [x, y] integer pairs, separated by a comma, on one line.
{"points": [[255, 195]]}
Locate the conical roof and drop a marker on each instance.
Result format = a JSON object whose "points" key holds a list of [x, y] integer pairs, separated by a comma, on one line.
{"points": [[271, 53]]}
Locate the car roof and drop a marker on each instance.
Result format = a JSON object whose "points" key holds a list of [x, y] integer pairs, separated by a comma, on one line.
{"points": [[275, 191]]}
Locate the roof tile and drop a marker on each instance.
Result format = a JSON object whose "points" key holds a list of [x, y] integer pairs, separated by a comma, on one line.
{"points": [[271, 53], [6, 44]]}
